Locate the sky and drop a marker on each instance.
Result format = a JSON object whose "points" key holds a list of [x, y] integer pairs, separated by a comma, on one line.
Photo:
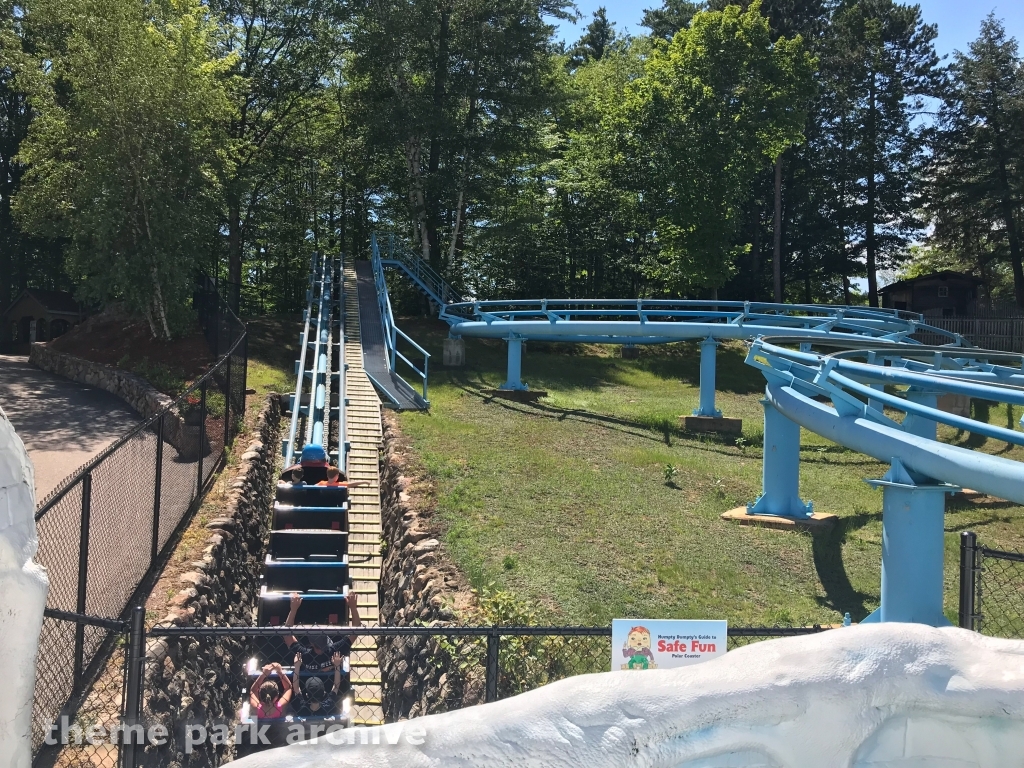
{"points": [[958, 20]]}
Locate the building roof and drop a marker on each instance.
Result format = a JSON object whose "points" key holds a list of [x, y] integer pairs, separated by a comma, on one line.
{"points": [[945, 274], [57, 302]]}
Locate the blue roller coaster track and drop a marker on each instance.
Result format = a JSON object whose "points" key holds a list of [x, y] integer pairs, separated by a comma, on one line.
{"points": [[868, 379]]}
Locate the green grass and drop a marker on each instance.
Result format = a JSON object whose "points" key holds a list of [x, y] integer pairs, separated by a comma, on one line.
{"points": [[570, 503], [273, 349]]}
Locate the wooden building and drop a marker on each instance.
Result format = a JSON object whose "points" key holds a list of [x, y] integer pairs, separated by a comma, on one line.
{"points": [[38, 315], [940, 294]]}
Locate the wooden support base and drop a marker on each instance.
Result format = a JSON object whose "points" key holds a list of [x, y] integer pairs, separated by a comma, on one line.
{"points": [[519, 395], [815, 522], [720, 424]]}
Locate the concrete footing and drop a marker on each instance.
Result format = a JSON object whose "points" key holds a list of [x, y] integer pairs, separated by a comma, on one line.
{"points": [[817, 521], [630, 353], [719, 424]]}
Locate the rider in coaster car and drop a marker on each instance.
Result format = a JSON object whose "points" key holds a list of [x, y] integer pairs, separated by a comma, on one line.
{"points": [[267, 697], [336, 477], [312, 456], [318, 650], [312, 700]]}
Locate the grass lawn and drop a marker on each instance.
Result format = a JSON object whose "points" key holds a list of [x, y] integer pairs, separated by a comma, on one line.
{"points": [[567, 502]]}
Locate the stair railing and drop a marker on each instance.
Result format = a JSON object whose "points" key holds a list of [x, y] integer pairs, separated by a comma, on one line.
{"points": [[391, 331]]}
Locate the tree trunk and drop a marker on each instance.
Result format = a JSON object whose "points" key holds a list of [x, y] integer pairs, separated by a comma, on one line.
{"points": [[234, 254], [869, 240], [777, 234], [1009, 220], [754, 292], [841, 215], [432, 210], [416, 197]]}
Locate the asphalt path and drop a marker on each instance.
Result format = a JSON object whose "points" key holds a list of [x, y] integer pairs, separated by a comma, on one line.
{"points": [[62, 423]]}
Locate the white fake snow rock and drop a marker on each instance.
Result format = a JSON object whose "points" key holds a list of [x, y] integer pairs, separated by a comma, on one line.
{"points": [[23, 588], [874, 695]]}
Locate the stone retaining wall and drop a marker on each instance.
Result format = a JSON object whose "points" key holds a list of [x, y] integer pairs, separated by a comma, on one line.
{"points": [[419, 586], [138, 393], [197, 679]]}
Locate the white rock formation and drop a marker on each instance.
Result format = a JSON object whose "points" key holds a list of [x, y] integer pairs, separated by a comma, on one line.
{"points": [[872, 696], [23, 587]]}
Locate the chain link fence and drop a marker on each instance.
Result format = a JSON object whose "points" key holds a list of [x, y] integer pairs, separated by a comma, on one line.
{"points": [[105, 530], [182, 694], [991, 589], [198, 680]]}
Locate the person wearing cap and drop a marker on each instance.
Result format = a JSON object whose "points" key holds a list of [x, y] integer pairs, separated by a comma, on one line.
{"points": [[312, 456], [312, 700]]}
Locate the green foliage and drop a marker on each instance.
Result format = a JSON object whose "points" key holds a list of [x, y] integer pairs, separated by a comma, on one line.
{"points": [[713, 107], [141, 141], [123, 152], [978, 164], [527, 662]]}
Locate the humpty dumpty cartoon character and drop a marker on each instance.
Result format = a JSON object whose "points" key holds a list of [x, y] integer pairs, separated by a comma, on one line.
{"points": [[637, 650]]}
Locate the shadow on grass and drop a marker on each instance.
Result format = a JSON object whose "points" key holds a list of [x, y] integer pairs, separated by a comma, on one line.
{"points": [[669, 432], [682, 361], [827, 550]]}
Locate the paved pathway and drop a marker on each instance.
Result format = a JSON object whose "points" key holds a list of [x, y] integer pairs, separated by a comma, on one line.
{"points": [[363, 427], [63, 424]]}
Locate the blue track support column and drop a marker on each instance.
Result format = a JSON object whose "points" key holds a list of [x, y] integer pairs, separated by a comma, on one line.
{"points": [[912, 548], [707, 379], [919, 425], [781, 468], [515, 364]]}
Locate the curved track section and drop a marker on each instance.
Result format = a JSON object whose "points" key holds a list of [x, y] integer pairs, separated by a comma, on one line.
{"points": [[855, 420], [879, 395], [658, 321]]}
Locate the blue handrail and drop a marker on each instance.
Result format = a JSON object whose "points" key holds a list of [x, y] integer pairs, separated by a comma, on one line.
{"points": [[391, 330]]}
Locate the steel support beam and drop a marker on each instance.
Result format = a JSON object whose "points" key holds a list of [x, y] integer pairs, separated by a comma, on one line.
{"points": [[515, 365], [707, 379], [781, 468], [912, 548]]}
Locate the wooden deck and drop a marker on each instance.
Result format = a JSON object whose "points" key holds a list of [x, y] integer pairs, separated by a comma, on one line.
{"points": [[363, 427]]}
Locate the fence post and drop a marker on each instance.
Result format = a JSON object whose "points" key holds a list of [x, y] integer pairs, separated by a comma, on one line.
{"points": [[968, 577], [493, 640], [83, 575], [134, 668], [202, 440], [155, 543], [227, 401]]}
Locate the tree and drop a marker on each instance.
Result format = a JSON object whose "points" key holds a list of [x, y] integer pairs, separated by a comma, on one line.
{"points": [[978, 157], [283, 53], [448, 91], [597, 40], [123, 150], [883, 66], [24, 260], [715, 106], [672, 16]]}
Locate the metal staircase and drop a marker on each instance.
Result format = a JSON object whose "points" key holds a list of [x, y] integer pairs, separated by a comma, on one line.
{"points": [[417, 270]]}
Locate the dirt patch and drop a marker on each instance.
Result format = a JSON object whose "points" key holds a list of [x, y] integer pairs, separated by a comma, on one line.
{"points": [[116, 339]]}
